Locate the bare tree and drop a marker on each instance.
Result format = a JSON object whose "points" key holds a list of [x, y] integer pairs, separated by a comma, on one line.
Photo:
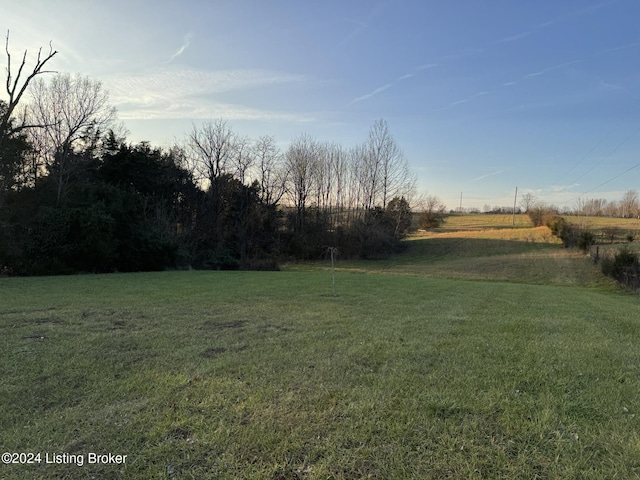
{"points": [[300, 160], [433, 214], [357, 183], [271, 172], [73, 113], [242, 158], [595, 206], [386, 172], [322, 178], [629, 204], [338, 170], [15, 90], [211, 149], [14, 164], [527, 201]]}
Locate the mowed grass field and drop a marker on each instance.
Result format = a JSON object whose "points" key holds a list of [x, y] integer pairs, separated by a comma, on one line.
{"points": [[490, 247], [442, 362]]}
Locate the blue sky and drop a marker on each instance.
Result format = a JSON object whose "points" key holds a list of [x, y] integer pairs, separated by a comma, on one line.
{"points": [[481, 96]]}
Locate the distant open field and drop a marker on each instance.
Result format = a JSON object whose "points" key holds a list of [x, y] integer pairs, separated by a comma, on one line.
{"points": [[484, 221], [492, 353], [489, 247], [598, 223]]}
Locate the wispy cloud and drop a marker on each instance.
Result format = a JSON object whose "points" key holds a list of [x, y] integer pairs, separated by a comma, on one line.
{"points": [[369, 95], [178, 82], [534, 74], [589, 9], [185, 44], [515, 37], [615, 87], [426, 66], [361, 25], [207, 109], [399, 79], [187, 93], [463, 100], [620, 47], [497, 172], [554, 67], [562, 188]]}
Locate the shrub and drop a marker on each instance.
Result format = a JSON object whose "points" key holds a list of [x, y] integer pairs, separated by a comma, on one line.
{"points": [[556, 224], [216, 260], [567, 232], [541, 215], [624, 267], [585, 240], [431, 219], [611, 233]]}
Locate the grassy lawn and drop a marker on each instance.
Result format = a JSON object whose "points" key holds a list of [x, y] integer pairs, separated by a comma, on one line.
{"points": [[415, 370], [483, 221], [463, 249]]}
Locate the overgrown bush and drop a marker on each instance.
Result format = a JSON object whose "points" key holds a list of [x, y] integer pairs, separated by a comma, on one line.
{"points": [[586, 240], [541, 215], [569, 234], [624, 267], [431, 219], [611, 233], [211, 260], [556, 224]]}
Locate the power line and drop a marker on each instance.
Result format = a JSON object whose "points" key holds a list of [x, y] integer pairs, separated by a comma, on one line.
{"points": [[586, 155], [633, 134], [612, 179]]}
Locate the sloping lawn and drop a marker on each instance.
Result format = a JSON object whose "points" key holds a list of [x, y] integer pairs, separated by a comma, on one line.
{"points": [[267, 375]]}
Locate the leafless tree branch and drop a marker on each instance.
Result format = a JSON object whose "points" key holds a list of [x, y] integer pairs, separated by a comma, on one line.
{"points": [[15, 90]]}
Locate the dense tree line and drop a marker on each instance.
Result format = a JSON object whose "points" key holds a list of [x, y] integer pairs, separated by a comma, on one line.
{"points": [[627, 207], [75, 196]]}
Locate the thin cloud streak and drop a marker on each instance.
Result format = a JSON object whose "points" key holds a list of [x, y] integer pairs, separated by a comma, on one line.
{"points": [[369, 95], [554, 67], [199, 109], [513, 38], [361, 25], [185, 45], [498, 172], [399, 79], [181, 93], [563, 188], [175, 82], [426, 66], [463, 100]]}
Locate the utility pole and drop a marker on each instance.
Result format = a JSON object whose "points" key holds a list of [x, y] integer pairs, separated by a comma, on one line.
{"points": [[460, 209], [515, 198]]}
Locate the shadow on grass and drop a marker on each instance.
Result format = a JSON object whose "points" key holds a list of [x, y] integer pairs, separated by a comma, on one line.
{"points": [[489, 260], [436, 249]]}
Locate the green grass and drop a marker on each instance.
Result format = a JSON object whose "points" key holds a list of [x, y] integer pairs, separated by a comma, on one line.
{"points": [[267, 375], [464, 249], [597, 223], [483, 221]]}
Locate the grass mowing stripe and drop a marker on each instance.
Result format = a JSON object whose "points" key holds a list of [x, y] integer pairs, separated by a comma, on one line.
{"points": [[267, 375]]}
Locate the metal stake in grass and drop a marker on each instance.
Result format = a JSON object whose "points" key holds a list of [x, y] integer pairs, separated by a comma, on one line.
{"points": [[334, 252]]}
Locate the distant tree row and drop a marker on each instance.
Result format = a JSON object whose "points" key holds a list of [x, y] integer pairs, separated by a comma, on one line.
{"points": [[76, 197], [627, 207]]}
